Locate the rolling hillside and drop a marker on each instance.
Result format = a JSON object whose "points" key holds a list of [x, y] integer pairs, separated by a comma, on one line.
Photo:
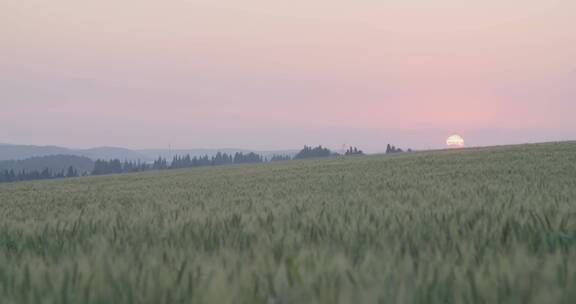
{"points": [[491, 225], [20, 152], [55, 163]]}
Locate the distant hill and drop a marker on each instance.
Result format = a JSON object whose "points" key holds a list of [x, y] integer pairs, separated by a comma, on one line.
{"points": [[16, 152], [19, 152], [113, 153], [55, 163]]}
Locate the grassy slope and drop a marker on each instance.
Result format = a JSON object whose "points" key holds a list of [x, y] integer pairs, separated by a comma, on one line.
{"points": [[472, 226]]}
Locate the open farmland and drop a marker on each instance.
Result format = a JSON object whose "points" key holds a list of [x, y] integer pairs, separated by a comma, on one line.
{"points": [[493, 225]]}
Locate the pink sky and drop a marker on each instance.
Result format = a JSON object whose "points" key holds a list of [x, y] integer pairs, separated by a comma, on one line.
{"points": [[271, 75]]}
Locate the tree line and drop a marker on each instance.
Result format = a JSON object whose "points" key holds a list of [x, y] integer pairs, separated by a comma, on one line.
{"points": [[392, 149], [178, 162], [116, 166], [10, 175]]}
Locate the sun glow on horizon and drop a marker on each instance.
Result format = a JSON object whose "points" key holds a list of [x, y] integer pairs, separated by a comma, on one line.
{"points": [[455, 141]]}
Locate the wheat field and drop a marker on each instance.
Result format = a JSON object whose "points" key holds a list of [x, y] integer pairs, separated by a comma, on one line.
{"points": [[490, 225]]}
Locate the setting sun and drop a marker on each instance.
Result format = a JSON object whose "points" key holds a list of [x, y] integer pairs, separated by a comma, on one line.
{"points": [[455, 141]]}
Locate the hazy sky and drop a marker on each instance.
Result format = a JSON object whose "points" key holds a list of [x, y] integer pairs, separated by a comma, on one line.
{"points": [[280, 74]]}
